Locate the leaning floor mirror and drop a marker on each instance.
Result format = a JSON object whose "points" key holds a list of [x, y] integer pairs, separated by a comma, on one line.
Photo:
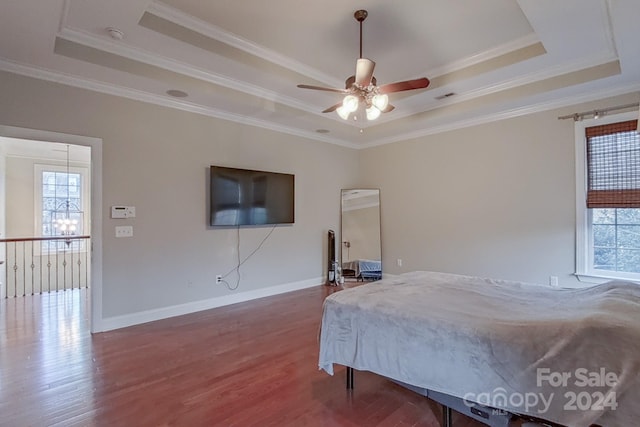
{"points": [[360, 249]]}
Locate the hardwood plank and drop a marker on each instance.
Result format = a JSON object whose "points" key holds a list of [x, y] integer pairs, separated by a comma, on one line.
{"points": [[249, 364]]}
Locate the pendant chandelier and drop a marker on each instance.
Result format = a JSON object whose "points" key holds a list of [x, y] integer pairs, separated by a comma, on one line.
{"points": [[67, 216]]}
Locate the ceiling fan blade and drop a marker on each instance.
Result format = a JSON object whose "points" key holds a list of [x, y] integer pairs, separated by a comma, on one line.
{"points": [[364, 71], [332, 108], [406, 85], [328, 89]]}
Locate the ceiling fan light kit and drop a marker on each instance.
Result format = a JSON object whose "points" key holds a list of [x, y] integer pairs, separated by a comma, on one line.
{"points": [[381, 101], [373, 113], [343, 112], [362, 95]]}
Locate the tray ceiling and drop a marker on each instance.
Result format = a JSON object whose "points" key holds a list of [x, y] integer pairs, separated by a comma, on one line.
{"points": [[242, 61]]}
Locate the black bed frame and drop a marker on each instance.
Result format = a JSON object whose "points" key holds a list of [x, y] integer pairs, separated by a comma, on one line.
{"points": [[486, 415]]}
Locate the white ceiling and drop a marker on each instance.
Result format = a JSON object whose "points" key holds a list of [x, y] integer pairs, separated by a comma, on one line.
{"points": [[242, 60], [44, 151]]}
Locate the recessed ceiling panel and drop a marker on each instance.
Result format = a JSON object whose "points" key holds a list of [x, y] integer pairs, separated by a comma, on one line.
{"points": [[242, 60], [194, 38], [327, 35]]}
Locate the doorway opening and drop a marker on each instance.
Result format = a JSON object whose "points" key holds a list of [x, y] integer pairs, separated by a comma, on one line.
{"points": [[47, 218]]}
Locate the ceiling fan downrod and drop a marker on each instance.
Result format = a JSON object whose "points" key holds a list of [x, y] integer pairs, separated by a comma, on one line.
{"points": [[360, 16]]}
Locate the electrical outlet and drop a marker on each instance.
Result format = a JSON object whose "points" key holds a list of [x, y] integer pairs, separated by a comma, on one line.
{"points": [[553, 281], [219, 278], [124, 231], [399, 262]]}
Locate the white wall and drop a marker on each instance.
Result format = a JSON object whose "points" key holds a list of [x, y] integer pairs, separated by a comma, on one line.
{"points": [[494, 200], [157, 160]]}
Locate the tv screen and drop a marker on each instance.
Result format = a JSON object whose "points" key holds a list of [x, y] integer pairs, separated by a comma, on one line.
{"points": [[250, 197]]}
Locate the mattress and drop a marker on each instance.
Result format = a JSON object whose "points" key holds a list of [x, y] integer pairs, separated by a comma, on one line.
{"points": [[571, 356]]}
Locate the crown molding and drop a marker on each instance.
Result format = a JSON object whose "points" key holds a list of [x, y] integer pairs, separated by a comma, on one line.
{"points": [[178, 17], [165, 101], [515, 82], [210, 30], [207, 29], [546, 73], [507, 114], [608, 26], [110, 89], [64, 16], [486, 55], [146, 57]]}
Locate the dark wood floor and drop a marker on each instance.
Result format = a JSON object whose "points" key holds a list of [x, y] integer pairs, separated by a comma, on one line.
{"points": [[249, 364]]}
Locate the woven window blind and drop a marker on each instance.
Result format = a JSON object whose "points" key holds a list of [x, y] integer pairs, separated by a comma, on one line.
{"points": [[613, 165]]}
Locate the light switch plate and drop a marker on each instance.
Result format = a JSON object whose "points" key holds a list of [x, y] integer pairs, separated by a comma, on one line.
{"points": [[124, 231]]}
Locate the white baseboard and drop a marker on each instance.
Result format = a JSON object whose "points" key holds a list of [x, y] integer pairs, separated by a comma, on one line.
{"points": [[117, 322]]}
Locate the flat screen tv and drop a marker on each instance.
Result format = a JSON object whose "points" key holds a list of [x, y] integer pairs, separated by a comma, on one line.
{"points": [[250, 197]]}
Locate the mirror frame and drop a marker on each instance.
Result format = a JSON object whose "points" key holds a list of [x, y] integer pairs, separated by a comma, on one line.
{"points": [[341, 241]]}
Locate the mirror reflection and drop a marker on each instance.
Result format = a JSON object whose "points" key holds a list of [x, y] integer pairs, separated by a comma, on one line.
{"points": [[361, 254]]}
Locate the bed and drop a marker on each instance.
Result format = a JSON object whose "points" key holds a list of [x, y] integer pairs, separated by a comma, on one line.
{"points": [[363, 269], [496, 343]]}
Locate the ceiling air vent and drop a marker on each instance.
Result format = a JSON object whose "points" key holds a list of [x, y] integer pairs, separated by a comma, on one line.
{"points": [[446, 95]]}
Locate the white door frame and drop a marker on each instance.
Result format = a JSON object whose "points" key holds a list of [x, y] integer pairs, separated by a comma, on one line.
{"points": [[96, 205]]}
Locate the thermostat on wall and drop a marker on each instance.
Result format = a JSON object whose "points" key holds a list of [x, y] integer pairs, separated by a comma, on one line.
{"points": [[123, 212]]}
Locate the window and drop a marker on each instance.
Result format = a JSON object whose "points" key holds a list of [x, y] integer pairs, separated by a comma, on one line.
{"points": [[54, 186], [608, 198], [616, 240]]}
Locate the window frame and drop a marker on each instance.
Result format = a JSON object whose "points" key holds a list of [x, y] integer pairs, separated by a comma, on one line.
{"points": [[83, 170], [584, 235]]}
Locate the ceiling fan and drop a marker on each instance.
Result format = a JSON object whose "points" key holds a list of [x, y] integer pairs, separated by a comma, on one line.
{"points": [[361, 91]]}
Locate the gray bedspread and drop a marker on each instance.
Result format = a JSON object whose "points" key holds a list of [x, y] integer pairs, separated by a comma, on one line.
{"points": [[571, 356]]}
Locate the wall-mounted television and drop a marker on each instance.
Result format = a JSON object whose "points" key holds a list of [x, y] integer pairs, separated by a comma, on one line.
{"points": [[250, 197]]}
